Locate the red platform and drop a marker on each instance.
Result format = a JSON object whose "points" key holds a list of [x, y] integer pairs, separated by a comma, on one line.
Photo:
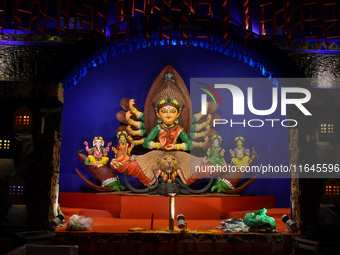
{"points": [[117, 212], [138, 207], [141, 207]]}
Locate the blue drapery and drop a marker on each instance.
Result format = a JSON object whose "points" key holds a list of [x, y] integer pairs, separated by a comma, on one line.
{"points": [[135, 42]]}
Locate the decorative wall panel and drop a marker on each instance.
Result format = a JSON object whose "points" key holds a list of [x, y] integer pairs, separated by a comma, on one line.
{"points": [[27, 62], [324, 67]]}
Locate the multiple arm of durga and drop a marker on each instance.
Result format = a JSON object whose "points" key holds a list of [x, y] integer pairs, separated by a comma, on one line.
{"points": [[168, 134]]}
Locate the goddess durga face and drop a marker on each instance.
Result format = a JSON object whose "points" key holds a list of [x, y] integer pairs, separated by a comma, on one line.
{"points": [[168, 114]]}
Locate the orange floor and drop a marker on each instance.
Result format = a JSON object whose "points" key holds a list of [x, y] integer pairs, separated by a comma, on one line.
{"points": [[117, 225], [118, 214]]}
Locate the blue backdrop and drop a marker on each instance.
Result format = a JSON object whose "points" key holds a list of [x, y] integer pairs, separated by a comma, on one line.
{"points": [[91, 105]]}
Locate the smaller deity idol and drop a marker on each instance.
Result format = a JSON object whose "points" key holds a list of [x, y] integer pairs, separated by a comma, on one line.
{"points": [[97, 155], [123, 150], [240, 155], [215, 152]]}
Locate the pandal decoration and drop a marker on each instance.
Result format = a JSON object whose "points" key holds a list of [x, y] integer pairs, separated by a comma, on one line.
{"points": [[165, 128]]}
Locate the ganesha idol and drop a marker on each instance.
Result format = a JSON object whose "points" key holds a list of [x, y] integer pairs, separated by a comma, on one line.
{"points": [[96, 162], [168, 130]]}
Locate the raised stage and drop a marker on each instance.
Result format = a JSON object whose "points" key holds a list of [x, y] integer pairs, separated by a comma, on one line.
{"points": [[115, 213]]}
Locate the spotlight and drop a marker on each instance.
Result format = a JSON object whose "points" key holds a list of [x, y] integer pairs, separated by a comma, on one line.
{"points": [[181, 222], [56, 221], [291, 225]]}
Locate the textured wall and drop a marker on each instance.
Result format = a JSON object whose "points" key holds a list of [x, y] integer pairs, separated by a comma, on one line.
{"points": [[324, 67], [26, 63]]}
